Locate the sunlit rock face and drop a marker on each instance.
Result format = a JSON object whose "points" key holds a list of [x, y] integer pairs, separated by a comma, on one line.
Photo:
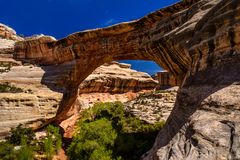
{"points": [[195, 40], [8, 33], [117, 77]]}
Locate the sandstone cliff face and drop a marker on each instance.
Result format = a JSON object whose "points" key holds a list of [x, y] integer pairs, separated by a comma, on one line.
{"points": [[8, 33], [204, 123], [116, 78], [37, 102], [114, 82]]}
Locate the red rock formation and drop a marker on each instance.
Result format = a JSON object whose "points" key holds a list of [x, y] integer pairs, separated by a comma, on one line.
{"points": [[166, 79]]}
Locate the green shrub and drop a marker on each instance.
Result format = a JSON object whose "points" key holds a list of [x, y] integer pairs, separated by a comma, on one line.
{"points": [[5, 67], [25, 153], [7, 151], [23, 138], [53, 142], [6, 88], [20, 134], [49, 148], [107, 131]]}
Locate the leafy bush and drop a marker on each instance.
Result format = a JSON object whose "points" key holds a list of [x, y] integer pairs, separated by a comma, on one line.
{"points": [[107, 131], [94, 141], [27, 146], [7, 151], [20, 134], [48, 147]]}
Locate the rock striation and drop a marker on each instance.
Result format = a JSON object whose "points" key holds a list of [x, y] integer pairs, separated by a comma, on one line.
{"points": [[116, 77], [195, 40], [166, 79]]}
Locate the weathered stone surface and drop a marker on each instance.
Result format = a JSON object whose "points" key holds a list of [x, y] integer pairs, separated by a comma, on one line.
{"points": [[153, 106], [204, 123], [116, 78], [37, 44], [166, 79], [8, 33], [35, 103]]}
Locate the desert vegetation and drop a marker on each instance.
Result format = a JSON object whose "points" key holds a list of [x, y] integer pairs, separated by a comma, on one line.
{"points": [[104, 132], [7, 88], [107, 132], [22, 145], [5, 67]]}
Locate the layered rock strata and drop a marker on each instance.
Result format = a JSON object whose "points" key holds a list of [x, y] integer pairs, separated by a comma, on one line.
{"points": [[160, 36], [116, 78], [166, 79]]}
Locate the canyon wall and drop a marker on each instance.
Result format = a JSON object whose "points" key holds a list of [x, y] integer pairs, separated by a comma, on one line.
{"points": [[204, 123]]}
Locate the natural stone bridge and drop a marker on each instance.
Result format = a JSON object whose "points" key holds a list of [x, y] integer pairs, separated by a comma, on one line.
{"points": [[197, 41]]}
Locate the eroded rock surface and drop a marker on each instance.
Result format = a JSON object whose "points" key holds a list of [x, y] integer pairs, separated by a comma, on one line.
{"points": [[8, 33], [38, 102], [153, 106], [204, 123], [116, 78]]}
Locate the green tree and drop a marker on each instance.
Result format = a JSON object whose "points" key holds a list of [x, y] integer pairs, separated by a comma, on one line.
{"points": [[106, 131], [94, 141]]}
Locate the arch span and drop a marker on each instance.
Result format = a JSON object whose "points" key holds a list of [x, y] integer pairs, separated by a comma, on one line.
{"points": [[160, 36]]}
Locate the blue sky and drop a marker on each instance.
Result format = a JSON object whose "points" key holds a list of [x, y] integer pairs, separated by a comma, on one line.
{"points": [[60, 18]]}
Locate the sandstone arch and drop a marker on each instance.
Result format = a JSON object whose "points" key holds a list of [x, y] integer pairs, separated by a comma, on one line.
{"points": [[151, 38], [196, 40]]}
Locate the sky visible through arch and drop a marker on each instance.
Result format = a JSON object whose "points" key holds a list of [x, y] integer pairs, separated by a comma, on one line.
{"points": [[60, 18]]}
